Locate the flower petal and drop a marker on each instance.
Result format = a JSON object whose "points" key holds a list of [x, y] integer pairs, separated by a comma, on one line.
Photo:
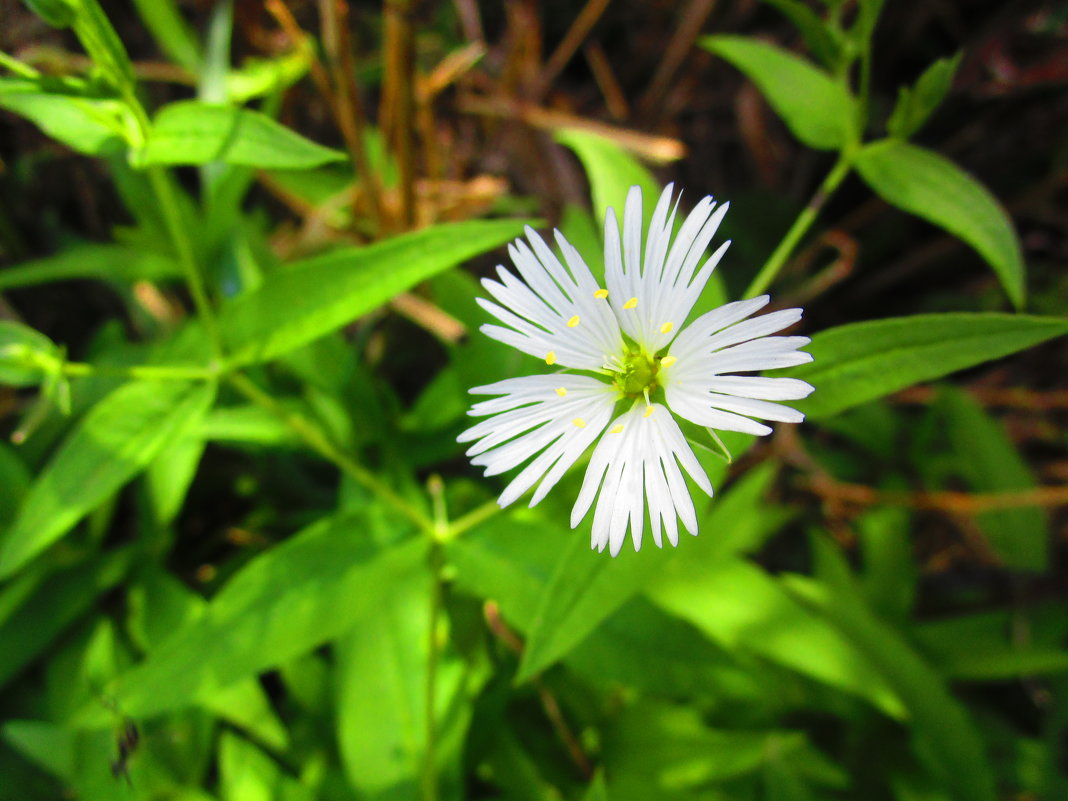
{"points": [[641, 461]]}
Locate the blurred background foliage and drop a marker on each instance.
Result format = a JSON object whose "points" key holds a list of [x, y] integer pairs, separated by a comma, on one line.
{"points": [[242, 556]]}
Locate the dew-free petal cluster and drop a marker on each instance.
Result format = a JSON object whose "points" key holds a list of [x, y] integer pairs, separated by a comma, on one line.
{"points": [[628, 366]]}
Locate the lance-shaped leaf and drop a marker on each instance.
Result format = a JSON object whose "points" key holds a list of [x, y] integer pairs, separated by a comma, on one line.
{"points": [[816, 108], [198, 133], [115, 440], [924, 183], [314, 297], [860, 362]]}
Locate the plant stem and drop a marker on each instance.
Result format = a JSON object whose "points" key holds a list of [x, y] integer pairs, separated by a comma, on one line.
{"points": [[141, 371], [161, 185], [318, 442], [800, 227], [430, 757], [470, 520]]}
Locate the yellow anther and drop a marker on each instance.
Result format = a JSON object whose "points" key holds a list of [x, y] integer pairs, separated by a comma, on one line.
{"points": [[601, 294], [573, 321], [666, 328], [630, 304], [648, 411], [550, 357], [561, 391], [667, 361], [616, 429], [578, 422]]}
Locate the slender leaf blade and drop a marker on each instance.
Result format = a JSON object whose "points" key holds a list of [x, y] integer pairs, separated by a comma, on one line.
{"points": [[114, 441], [314, 297], [189, 132], [817, 109], [938, 718], [860, 362], [281, 604], [924, 183]]}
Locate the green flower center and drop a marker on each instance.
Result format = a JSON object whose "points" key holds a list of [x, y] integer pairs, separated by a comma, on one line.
{"points": [[636, 376]]}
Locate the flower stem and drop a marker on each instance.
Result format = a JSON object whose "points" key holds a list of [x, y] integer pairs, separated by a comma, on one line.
{"points": [[318, 442], [430, 756], [159, 372], [800, 227], [470, 520], [183, 245]]}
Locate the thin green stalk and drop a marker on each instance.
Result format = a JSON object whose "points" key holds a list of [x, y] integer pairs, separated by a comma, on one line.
{"points": [[164, 191], [470, 520], [141, 371], [800, 227], [318, 442], [430, 756]]}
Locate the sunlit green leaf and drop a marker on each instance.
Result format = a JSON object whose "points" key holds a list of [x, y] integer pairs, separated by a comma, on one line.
{"points": [[915, 104], [92, 126], [939, 719], [859, 362], [585, 587], [816, 108], [924, 183], [115, 440], [311, 298], [189, 132], [281, 604]]}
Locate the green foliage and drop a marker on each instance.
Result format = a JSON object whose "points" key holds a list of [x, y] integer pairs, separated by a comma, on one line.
{"points": [[243, 559], [929, 186], [306, 300], [198, 133], [817, 109], [860, 362]]}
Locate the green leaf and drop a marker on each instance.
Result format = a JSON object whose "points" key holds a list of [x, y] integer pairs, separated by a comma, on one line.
{"points": [[924, 183], [57, 13], [92, 126], [915, 105], [611, 171], [743, 609], [585, 588], [938, 719], [988, 646], [88, 260], [115, 440], [171, 32], [258, 77], [189, 132], [27, 357], [986, 458], [52, 602], [281, 604], [860, 362], [103, 46], [311, 298], [823, 40], [816, 108], [382, 696]]}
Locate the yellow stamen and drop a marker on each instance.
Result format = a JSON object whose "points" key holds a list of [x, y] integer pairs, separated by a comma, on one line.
{"points": [[667, 361], [630, 304], [666, 328], [561, 391], [573, 321], [601, 294], [578, 422], [550, 357], [648, 411], [616, 429]]}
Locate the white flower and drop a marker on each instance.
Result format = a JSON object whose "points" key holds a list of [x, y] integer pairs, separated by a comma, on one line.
{"points": [[628, 365]]}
